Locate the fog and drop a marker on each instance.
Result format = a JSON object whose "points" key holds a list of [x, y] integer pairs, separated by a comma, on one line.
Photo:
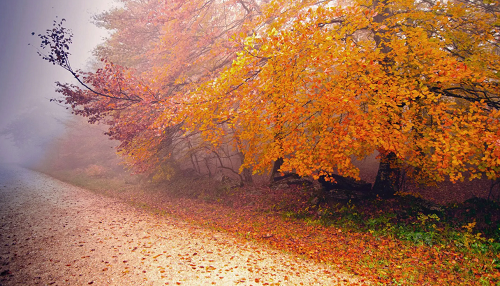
{"points": [[28, 120]]}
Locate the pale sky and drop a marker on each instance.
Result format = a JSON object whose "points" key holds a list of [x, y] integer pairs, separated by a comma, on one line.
{"points": [[26, 80]]}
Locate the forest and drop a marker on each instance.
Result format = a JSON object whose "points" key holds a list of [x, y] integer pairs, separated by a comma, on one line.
{"points": [[274, 106]]}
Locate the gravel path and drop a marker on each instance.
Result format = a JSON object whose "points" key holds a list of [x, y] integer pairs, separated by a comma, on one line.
{"points": [[52, 233]]}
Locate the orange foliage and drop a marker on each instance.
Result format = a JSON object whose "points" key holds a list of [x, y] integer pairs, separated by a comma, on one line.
{"points": [[313, 87], [318, 84]]}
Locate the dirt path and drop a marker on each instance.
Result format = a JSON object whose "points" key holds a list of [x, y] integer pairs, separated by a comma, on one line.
{"points": [[52, 233]]}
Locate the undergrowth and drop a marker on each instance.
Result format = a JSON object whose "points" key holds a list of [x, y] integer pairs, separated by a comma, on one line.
{"points": [[471, 226]]}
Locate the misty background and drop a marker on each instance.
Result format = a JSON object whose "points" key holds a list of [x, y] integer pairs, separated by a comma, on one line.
{"points": [[28, 120]]}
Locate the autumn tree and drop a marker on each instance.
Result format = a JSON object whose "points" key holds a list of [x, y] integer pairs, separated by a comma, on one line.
{"points": [[167, 48], [415, 81], [313, 84]]}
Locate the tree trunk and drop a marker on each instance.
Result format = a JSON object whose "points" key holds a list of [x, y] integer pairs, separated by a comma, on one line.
{"points": [[387, 180], [388, 175], [246, 174], [276, 166]]}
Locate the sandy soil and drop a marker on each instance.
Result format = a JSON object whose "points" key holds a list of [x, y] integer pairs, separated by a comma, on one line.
{"points": [[52, 233]]}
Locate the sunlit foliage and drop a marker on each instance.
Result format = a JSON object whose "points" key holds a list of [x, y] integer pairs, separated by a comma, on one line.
{"points": [[315, 83]]}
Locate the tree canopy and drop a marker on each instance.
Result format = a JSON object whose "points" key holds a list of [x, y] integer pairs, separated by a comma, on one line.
{"points": [[317, 84]]}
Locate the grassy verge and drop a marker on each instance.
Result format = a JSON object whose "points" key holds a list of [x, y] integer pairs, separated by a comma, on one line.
{"points": [[402, 241]]}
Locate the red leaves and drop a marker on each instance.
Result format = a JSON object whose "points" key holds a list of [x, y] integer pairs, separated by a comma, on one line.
{"points": [[376, 258]]}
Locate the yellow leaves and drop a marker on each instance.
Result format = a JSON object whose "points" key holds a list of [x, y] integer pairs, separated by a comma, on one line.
{"points": [[249, 41], [321, 94], [273, 32]]}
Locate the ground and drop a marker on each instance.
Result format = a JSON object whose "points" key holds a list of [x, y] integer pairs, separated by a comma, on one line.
{"points": [[52, 233]]}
